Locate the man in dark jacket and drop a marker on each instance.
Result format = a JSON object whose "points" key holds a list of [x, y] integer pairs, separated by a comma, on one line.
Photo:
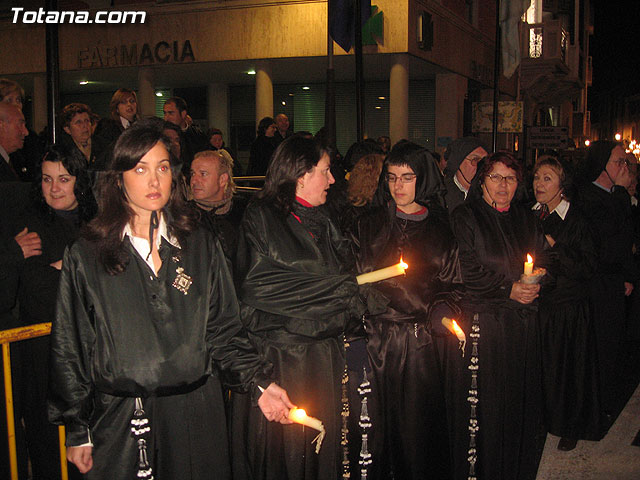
{"points": [[194, 141], [213, 191], [462, 157]]}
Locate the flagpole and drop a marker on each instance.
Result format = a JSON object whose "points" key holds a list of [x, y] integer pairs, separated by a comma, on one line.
{"points": [[359, 72], [330, 95], [496, 76]]}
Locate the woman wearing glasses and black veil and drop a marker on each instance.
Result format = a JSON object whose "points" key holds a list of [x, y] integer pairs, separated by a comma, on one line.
{"points": [[408, 434], [503, 414]]}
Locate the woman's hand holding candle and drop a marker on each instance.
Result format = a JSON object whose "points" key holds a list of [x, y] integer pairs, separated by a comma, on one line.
{"points": [[275, 404], [383, 273]]}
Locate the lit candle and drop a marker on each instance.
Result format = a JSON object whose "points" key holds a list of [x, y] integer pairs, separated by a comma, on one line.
{"points": [[528, 265], [298, 415], [454, 328], [383, 273]]}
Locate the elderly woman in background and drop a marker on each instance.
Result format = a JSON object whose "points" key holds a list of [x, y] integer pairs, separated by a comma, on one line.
{"points": [[123, 111], [495, 234], [569, 354], [146, 317], [75, 120], [297, 300]]}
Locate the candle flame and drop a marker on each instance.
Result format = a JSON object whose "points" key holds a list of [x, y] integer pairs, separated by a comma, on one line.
{"points": [[403, 265], [529, 258], [297, 414], [456, 327]]}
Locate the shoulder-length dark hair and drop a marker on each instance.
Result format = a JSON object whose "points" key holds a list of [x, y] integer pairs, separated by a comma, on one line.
{"points": [[114, 212], [265, 123], [120, 96], [76, 164], [294, 157], [430, 188]]}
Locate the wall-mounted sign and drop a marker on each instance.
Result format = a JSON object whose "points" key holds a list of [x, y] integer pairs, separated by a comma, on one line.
{"points": [[100, 56], [509, 117], [549, 137]]}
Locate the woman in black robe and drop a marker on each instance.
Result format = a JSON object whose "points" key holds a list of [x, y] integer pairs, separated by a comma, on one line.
{"points": [[61, 202], [571, 380], [408, 435], [504, 411], [296, 301], [146, 317], [262, 147]]}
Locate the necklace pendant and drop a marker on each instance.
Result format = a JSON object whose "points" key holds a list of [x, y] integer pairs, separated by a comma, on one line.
{"points": [[182, 281]]}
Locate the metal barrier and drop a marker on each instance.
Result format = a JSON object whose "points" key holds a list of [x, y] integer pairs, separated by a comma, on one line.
{"points": [[6, 338]]}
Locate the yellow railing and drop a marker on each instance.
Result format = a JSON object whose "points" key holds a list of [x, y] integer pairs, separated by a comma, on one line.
{"points": [[6, 338]]}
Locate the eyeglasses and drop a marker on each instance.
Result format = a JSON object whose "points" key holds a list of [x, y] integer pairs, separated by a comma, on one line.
{"points": [[497, 178], [404, 178], [623, 161]]}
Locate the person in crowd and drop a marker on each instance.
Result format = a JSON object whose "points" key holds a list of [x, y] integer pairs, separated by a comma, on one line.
{"points": [[24, 160], [12, 134], [193, 140], [153, 297], [571, 380], [282, 128], [461, 157], [123, 112], [213, 189], [504, 410], [216, 142], [61, 203], [337, 200], [633, 301], [14, 250], [408, 436], [385, 143], [262, 147], [363, 182], [297, 300], [76, 121], [606, 203]]}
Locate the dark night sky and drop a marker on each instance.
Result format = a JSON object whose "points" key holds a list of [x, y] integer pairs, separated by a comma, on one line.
{"points": [[615, 46]]}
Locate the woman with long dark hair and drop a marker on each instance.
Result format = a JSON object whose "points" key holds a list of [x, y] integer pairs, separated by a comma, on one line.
{"points": [[262, 147], [296, 299], [146, 316], [408, 435], [61, 203], [504, 416]]}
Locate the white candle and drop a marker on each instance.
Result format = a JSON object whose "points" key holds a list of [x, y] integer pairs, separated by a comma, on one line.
{"points": [[528, 265], [298, 415], [383, 273], [454, 328]]}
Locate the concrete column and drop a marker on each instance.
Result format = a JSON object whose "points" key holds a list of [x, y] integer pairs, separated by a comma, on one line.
{"points": [[399, 99], [146, 92], [264, 92], [450, 92], [39, 103], [218, 107]]}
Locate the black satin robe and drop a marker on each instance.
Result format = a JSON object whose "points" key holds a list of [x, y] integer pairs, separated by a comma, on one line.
{"points": [[408, 438], [493, 248], [571, 379], [296, 302], [116, 337]]}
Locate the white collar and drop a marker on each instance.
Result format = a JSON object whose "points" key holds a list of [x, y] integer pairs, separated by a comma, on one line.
{"points": [[142, 244], [4, 154], [125, 123], [561, 209], [459, 185]]}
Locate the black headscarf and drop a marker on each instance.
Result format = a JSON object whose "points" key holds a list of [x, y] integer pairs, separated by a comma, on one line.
{"points": [[457, 151], [430, 189], [598, 155]]}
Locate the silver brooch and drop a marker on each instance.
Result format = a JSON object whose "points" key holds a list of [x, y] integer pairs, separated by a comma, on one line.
{"points": [[182, 281]]}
